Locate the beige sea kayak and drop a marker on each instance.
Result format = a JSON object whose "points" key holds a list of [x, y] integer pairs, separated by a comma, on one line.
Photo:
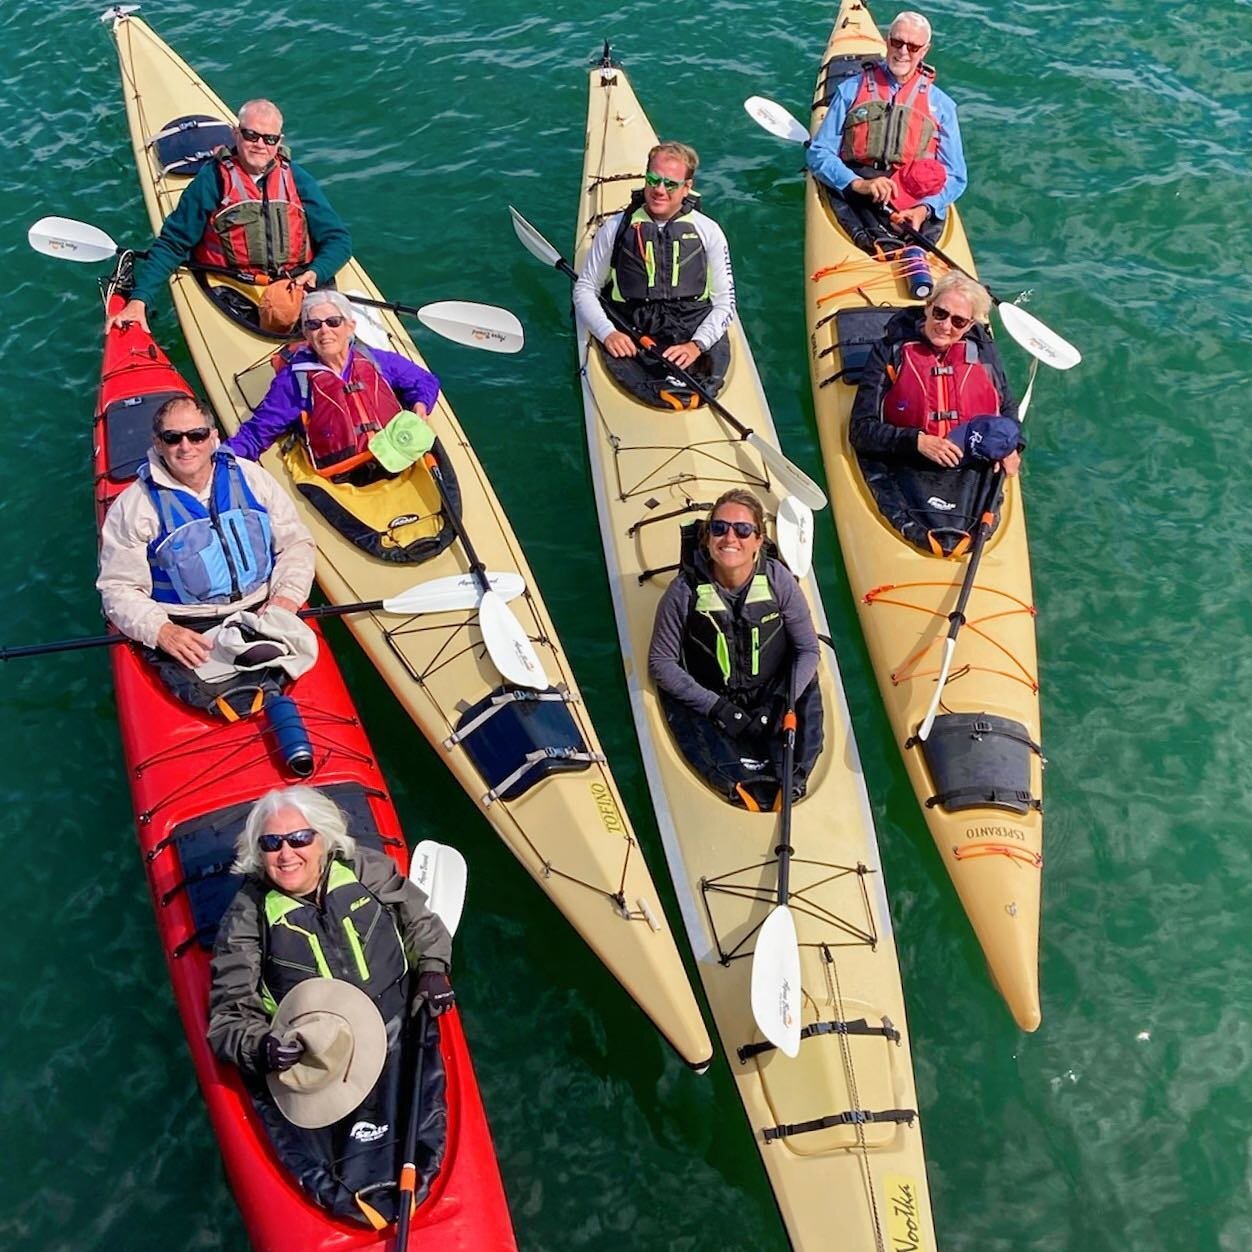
{"points": [[837, 1125], [540, 778], [990, 703]]}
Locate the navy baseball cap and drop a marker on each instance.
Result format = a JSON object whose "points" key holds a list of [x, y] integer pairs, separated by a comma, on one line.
{"points": [[988, 438]]}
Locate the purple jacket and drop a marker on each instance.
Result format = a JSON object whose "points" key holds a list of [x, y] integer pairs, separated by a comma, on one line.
{"points": [[279, 413]]}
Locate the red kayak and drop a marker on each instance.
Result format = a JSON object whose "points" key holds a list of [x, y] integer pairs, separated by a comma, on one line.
{"points": [[193, 779]]}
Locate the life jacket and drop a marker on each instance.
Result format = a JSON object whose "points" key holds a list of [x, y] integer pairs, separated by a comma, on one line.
{"points": [[259, 226], [658, 260], [935, 391], [352, 935], [885, 130], [339, 415], [729, 650], [212, 555]]}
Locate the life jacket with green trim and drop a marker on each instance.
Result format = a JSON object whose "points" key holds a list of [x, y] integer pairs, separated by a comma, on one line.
{"points": [[340, 415], [259, 226], [934, 391], [886, 130], [658, 260], [209, 555], [352, 935]]}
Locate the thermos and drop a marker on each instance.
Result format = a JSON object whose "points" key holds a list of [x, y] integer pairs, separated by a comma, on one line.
{"points": [[916, 271], [294, 747]]}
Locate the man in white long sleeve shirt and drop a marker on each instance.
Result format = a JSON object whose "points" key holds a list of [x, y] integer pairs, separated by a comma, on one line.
{"points": [[663, 268]]}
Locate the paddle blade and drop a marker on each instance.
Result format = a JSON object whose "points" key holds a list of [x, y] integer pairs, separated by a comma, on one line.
{"points": [[792, 477], [949, 648], [475, 325], [776, 981], [793, 528], [68, 240], [370, 328], [441, 873], [533, 241], [1039, 340], [456, 591], [774, 118], [510, 649]]}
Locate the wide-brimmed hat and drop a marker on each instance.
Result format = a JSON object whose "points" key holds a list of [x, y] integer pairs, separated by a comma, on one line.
{"points": [[247, 641], [345, 1046], [988, 438], [916, 180]]}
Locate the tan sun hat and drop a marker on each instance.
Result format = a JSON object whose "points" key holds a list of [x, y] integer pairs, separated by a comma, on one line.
{"points": [[345, 1046]]}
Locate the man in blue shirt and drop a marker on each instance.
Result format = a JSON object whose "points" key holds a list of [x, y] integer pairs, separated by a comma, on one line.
{"points": [[890, 138]]}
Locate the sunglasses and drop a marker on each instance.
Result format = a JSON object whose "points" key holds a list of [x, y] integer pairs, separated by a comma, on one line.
{"points": [[172, 438], [298, 839], [940, 314], [900, 44], [656, 180], [257, 136], [719, 527], [316, 323]]}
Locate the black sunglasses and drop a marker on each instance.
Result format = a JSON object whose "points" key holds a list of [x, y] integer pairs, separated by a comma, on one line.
{"points": [[298, 839], [316, 323], [172, 438], [940, 314], [719, 527], [900, 44], [253, 136]]}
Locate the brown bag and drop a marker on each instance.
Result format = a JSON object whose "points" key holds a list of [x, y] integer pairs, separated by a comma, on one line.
{"points": [[280, 306]]}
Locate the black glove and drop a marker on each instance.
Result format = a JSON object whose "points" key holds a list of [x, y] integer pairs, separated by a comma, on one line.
{"points": [[435, 991], [730, 717], [276, 1056], [768, 720]]}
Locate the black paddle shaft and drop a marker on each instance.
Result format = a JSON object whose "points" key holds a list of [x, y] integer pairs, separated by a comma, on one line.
{"points": [[956, 619], [788, 783], [425, 1023], [476, 567]]}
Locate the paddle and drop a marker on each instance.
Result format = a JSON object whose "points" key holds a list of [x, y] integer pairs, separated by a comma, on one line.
{"points": [[510, 649], [791, 476], [463, 321], [439, 870], [956, 619], [793, 528], [776, 961], [439, 595], [1039, 340]]}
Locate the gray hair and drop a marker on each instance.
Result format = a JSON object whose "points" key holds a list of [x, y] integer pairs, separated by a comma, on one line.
{"points": [[909, 18], [978, 296], [255, 106], [158, 418], [321, 813], [325, 296]]}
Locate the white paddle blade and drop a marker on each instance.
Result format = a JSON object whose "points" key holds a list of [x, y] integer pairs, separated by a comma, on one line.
{"points": [[441, 873], [776, 981], [370, 328], [68, 240], [793, 527], [532, 240], [794, 479], [949, 647], [456, 591], [475, 325], [775, 119], [1039, 340], [117, 12], [510, 649]]}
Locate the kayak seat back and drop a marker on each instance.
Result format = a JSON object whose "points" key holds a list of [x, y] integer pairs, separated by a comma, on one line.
{"points": [[977, 761], [832, 74], [182, 146], [128, 432], [856, 333]]}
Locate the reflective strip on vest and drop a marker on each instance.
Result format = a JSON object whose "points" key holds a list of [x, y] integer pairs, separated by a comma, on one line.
{"points": [[709, 602], [633, 272]]}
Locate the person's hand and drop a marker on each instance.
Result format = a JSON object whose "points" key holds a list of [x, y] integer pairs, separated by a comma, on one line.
{"points": [[879, 189], [914, 217], [131, 311], [421, 410], [307, 280], [1012, 464], [942, 451], [682, 354], [730, 717], [619, 345], [434, 989], [281, 602], [275, 1056], [183, 645]]}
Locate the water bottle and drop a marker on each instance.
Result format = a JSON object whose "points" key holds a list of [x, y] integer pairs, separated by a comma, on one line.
{"points": [[294, 746], [916, 272]]}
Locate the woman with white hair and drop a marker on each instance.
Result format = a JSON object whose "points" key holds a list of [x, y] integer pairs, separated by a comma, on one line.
{"points": [[336, 394]]}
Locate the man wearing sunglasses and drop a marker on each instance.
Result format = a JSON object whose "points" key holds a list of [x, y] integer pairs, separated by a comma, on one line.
{"points": [[890, 140], [197, 537], [665, 268], [249, 210]]}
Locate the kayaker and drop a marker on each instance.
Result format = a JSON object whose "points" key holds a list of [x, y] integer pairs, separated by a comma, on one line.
{"points": [[727, 632], [315, 905], [250, 210], [933, 373], [338, 395], [891, 138], [198, 536], [665, 268]]}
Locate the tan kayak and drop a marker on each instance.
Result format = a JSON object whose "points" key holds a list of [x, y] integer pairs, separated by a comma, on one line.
{"points": [[994, 853], [558, 810], [841, 1178]]}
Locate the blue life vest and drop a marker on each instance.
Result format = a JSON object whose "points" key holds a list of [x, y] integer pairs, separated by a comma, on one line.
{"points": [[209, 556]]}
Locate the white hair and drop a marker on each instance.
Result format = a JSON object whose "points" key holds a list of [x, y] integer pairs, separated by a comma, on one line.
{"points": [[321, 813], [909, 18], [256, 106], [325, 296]]}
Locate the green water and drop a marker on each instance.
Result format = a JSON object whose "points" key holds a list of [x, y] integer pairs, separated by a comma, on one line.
{"points": [[1108, 150]]}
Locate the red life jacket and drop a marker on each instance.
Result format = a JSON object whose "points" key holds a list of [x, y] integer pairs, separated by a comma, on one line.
{"points": [[341, 414], [885, 131], [259, 226], [935, 391]]}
